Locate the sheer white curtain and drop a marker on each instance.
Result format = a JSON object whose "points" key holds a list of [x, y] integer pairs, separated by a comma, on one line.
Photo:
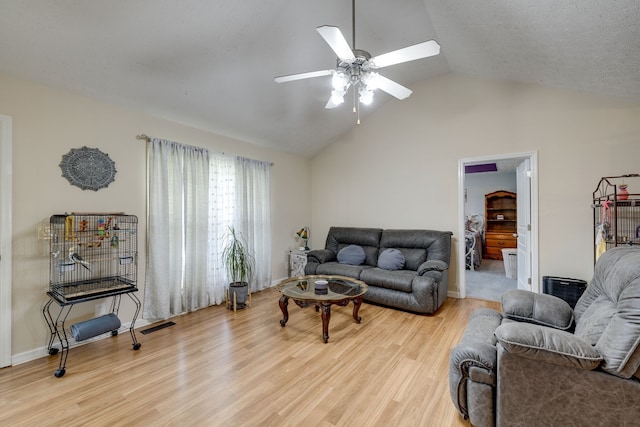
{"points": [[222, 211], [193, 198], [177, 256], [253, 214]]}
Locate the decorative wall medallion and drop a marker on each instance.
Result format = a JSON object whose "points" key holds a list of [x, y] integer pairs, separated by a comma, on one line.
{"points": [[88, 168]]}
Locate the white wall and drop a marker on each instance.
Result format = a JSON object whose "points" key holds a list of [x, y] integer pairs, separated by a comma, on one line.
{"points": [[47, 123], [399, 168]]}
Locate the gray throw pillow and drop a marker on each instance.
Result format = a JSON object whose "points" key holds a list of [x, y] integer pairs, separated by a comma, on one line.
{"points": [[391, 259], [352, 254]]}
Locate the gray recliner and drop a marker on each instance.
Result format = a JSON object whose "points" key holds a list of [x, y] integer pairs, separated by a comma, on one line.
{"points": [[540, 363]]}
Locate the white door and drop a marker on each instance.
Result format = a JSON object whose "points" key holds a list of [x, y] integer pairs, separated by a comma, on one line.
{"points": [[5, 241], [523, 189]]}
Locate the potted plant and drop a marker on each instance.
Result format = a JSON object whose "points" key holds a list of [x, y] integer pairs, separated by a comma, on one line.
{"points": [[239, 264]]}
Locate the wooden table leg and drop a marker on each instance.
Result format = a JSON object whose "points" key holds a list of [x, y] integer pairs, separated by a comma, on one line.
{"points": [[357, 302], [326, 316], [284, 302]]}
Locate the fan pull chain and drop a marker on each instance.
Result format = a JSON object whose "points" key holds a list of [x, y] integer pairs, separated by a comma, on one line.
{"points": [[354, 99], [356, 103]]}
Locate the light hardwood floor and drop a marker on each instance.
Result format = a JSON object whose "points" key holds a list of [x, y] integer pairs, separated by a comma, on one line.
{"points": [[219, 368]]}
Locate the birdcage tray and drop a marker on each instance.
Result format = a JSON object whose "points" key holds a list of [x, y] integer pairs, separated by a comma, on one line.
{"points": [[91, 289]]}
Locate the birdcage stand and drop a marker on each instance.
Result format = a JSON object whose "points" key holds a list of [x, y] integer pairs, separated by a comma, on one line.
{"points": [[56, 318]]}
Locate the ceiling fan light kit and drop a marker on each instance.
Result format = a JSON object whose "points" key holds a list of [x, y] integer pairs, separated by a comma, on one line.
{"points": [[355, 68]]}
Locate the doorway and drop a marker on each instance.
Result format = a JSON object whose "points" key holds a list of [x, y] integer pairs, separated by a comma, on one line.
{"points": [[5, 240], [527, 235]]}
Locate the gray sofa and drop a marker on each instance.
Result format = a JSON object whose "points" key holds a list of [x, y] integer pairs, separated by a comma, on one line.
{"points": [[540, 363], [419, 286]]}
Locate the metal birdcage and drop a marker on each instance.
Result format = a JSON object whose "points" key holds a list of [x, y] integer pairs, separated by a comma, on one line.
{"points": [[92, 256], [616, 212]]}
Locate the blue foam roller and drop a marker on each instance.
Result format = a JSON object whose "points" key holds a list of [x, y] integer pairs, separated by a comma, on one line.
{"points": [[94, 327]]}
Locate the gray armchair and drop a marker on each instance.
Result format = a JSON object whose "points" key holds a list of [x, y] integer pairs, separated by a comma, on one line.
{"points": [[540, 363]]}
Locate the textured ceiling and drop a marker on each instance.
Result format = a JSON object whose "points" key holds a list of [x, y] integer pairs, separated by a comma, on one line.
{"points": [[211, 64]]}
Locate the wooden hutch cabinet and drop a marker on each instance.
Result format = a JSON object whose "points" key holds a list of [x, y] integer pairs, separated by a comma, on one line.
{"points": [[500, 213]]}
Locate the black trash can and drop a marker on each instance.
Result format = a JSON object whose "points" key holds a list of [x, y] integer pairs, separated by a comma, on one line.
{"points": [[566, 288]]}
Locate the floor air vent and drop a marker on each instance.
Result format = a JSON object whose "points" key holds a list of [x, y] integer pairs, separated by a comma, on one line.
{"points": [[157, 328]]}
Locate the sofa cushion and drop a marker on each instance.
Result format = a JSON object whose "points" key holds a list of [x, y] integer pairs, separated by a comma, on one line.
{"points": [[417, 246], [548, 345], [352, 254], [391, 259], [413, 257], [367, 238], [399, 280], [596, 319], [608, 313], [337, 269]]}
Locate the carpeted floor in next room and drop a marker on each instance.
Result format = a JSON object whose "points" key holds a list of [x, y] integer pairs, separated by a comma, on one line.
{"points": [[489, 282]]}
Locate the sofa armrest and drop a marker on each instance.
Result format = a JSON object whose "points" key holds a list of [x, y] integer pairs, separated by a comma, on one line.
{"points": [[432, 265], [547, 345], [470, 360], [473, 353], [540, 309], [320, 256]]}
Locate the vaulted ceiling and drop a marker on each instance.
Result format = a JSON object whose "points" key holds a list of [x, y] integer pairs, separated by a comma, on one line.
{"points": [[211, 63]]}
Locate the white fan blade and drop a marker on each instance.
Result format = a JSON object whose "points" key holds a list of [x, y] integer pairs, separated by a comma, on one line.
{"points": [[392, 88], [333, 36], [292, 77], [406, 54]]}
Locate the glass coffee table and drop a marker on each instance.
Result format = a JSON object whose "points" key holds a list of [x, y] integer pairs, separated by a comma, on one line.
{"points": [[321, 292]]}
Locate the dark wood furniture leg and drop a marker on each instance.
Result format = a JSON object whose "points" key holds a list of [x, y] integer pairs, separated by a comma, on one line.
{"points": [[284, 302], [357, 302], [326, 316]]}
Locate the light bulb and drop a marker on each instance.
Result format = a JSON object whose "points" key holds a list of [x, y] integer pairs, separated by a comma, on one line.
{"points": [[371, 80], [337, 96], [338, 80], [366, 96]]}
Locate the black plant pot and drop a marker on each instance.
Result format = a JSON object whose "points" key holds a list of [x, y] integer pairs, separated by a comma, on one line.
{"points": [[241, 292]]}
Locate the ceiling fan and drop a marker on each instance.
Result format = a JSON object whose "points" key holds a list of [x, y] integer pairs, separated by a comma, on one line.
{"points": [[355, 67]]}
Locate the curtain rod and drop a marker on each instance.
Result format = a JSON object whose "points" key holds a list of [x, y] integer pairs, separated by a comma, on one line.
{"points": [[143, 137]]}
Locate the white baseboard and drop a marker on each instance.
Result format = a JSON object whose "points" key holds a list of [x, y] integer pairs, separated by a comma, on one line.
{"points": [[275, 282], [452, 294], [43, 351]]}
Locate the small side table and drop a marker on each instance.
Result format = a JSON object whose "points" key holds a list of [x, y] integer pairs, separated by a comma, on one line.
{"points": [[297, 262]]}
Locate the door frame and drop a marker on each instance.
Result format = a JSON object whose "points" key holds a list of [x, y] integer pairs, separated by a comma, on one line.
{"points": [[523, 224], [533, 159], [5, 238]]}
